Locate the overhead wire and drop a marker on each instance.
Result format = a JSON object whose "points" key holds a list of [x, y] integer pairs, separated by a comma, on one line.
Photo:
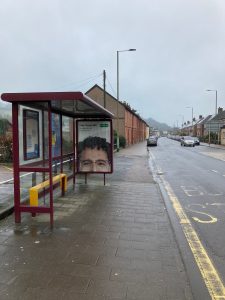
{"points": [[80, 83], [111, 86]]}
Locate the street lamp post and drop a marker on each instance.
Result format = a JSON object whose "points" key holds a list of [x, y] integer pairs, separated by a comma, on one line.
{"points": [[117, 135], [191, 117], [215, 114], [216, 98], [182, 125]]}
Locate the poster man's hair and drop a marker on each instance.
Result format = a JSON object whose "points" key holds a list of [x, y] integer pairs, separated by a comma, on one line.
{"points": [[93, 142]]}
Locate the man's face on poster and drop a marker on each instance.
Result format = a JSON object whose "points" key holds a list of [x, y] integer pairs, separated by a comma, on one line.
{"points": [[94, 160]]}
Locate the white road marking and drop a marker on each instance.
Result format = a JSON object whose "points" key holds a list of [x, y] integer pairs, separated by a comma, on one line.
{"points": [[11, 180], [24, 175], [211, 218], [192, 191]]}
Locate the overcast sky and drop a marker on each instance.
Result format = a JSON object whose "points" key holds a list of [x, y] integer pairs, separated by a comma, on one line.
{"points": [[64, 45]]}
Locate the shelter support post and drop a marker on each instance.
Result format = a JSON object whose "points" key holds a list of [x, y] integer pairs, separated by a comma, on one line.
{"points": [[16, 163], [74, 156], [50, 162]]}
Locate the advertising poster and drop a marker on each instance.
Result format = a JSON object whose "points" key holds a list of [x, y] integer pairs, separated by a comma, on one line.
{"points": [[94, 149], [31, 132]]}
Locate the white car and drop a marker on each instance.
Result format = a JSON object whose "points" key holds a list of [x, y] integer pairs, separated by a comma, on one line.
{"points": [[187, 141]]}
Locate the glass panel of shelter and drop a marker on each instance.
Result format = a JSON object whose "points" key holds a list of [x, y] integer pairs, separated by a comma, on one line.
{"points": [[33, 138], [68, 146], [33, 144]]}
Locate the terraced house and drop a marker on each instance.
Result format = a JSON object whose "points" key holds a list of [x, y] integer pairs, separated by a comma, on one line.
{"points": [[127, 122]]}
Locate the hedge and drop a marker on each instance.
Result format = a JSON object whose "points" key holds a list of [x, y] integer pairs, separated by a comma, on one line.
{"points": [[5, 149]]}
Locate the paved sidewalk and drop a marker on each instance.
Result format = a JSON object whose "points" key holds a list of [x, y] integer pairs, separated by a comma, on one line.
{"points": [[213, 145], [109, 242]]}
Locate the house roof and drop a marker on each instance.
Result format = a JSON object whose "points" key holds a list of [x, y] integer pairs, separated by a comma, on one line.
{"points": [[205, 119], [97, 86], [74, 104], [220, 116], [122, 103]]}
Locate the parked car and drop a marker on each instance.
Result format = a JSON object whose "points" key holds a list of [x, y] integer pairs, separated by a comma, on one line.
{"points": [[152, 140], [187, 141], [196, 140]]}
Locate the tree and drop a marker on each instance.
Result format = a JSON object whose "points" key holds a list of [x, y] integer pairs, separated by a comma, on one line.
{"points": [[4, 125]]}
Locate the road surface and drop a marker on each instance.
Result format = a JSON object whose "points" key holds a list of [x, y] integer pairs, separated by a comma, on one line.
{"points": [[194, 181]]}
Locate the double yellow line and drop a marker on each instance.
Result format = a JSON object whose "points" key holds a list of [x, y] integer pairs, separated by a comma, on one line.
{"points": [[209, 273]]}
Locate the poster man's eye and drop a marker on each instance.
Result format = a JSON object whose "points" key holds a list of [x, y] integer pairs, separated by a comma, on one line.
{"points": [[86, 162], [101, 163]]}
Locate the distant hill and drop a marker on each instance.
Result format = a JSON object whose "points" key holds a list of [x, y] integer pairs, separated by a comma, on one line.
{"points": [[157, 125]]}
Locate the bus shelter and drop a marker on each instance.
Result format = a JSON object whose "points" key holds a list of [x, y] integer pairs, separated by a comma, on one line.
{"points": [[50, 133]]}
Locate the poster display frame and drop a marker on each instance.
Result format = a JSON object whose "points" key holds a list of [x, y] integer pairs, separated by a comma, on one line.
{"points": [[36, 153], [92, 134]]}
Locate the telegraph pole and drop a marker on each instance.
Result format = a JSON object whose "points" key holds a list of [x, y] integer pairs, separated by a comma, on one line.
{"points": [[104, 79]]}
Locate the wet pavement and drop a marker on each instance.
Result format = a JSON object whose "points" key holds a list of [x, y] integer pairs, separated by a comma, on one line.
{"points": [[6, 188], [108, 242]]}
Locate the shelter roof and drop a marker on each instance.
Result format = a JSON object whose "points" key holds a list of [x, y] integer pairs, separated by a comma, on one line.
{"points": [[74, 104]]}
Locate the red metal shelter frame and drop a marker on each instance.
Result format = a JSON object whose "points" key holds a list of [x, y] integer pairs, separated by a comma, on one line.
{"points": [[72, 104]]}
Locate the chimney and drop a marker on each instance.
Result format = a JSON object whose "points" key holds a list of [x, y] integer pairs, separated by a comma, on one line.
{"points": [[200, 117], [220, 109]]}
